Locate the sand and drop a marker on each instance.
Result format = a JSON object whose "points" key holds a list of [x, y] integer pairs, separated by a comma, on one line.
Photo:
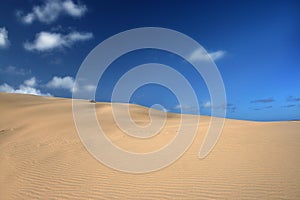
{"points": [[42, 157]]}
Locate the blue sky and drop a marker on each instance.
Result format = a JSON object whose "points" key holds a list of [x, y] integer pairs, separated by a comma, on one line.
{"points": [[255, 44]]}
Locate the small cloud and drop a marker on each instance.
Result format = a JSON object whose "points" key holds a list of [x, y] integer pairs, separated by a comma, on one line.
{"points": [[74, 10], [165, 110], [180, 106], [90, 88], [26, 88], [187, 108], [14, 71], [289, 106], [266, 100], [47, 41], [66, 82], [231, 107], [200, 54], [30, 82], [292, 98], [206, 104], [268, 107], [4, 42], [262, 108], [217, 55], [51, 10]]}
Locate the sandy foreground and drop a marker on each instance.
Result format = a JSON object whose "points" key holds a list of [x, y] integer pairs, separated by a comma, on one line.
{"points": [[42, 157]]}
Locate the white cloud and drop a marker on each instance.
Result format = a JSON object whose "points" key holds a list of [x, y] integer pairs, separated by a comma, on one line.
{"points": [[51, 10], [29, 86], [4, 42], [6, 88], [77, 36], [46, 41], [26, 88], [178, 106], [217, 55], [90, 88], [28, 19], [66, 82], [74, 10], [30, 82], [200, 54], [207, 104]]}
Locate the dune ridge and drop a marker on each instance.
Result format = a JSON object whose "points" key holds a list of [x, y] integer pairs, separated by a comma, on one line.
{"points": [[42, 157]]}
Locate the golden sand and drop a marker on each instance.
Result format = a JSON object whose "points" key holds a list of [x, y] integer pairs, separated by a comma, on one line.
{"points": [[42, 157]]}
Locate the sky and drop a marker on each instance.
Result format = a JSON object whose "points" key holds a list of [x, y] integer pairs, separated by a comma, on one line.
{"points": [[255, 45]]}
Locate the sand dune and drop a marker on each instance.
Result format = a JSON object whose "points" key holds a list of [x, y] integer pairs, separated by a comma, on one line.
{"points": [[42, 157]]}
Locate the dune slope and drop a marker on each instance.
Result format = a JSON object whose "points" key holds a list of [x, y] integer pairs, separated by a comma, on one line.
{"points": [[42, 157]]}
